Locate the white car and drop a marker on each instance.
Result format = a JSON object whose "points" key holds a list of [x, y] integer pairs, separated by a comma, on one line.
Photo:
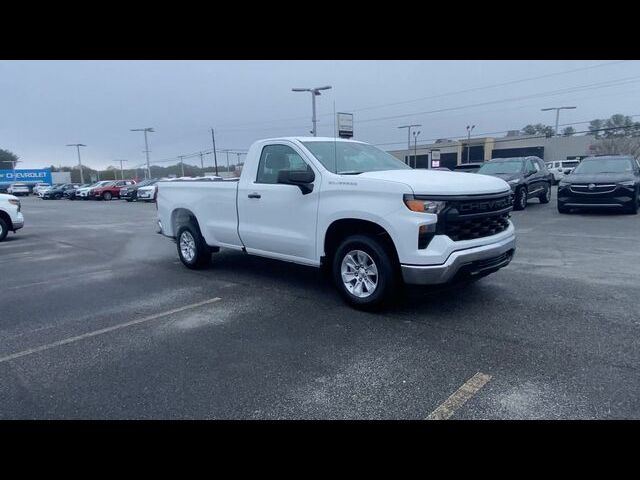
{"points": [[40, 186], [18, 189], [370, 219], [148, 193], [561, 168], [11, 218]]}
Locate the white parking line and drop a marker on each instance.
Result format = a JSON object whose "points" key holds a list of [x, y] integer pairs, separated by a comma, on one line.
{"points": [[460, 397], [77, 338]]}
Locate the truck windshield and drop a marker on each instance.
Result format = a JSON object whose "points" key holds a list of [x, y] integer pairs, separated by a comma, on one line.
{"points": [[501, 167], [350, 158]]}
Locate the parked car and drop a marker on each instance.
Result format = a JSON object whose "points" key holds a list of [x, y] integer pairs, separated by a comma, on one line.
{"points": [[83, 193], [58, 192], [11, 218], [370, 219], [527, 176], [561, 168], [147, 193], [70, 194], [40, 186], [468, 167], [601, 182], [42, 190], [130, 192], [18, 189], [110, 190]]}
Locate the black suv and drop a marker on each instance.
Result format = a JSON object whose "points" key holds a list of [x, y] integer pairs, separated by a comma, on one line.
{"points": [[528, 178], [56, 193], [608, 181]]}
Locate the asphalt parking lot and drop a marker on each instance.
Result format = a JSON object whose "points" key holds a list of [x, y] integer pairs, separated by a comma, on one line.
{"points": [[98, 319]]}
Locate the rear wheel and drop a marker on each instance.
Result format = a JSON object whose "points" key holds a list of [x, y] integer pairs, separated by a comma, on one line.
{"points": [[520, 202], [3, 229], [545, 197], [364, 273], [193, 251]]}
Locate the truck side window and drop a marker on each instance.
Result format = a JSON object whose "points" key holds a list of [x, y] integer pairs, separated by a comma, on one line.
{"points": [[275, 158]]}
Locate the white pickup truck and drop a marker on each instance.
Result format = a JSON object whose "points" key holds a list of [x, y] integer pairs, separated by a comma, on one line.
{"points": [[11, 218], [348, 206]]}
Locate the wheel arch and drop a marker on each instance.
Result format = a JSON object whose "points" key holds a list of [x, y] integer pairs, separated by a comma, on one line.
{"points": [[5, 216]]}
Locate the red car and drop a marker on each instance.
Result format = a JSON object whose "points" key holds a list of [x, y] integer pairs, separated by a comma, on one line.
{"points": [[110, 190]]}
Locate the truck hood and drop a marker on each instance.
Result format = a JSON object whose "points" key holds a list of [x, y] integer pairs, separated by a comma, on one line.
{"points": [[439, 182]]}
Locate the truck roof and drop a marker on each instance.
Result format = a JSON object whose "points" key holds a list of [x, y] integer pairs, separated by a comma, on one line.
{"points": [[310, 139]]}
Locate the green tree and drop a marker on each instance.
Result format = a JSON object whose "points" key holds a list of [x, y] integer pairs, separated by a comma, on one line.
{"points": [[568, 131], [7, 159], [538, 129]]}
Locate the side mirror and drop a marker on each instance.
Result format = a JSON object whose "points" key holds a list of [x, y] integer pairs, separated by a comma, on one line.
{"points": [[301, 178], [528, 173]]}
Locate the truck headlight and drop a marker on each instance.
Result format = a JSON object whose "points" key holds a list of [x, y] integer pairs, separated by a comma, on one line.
{"points": [[563, 183], [424, 205], [514, 181]]}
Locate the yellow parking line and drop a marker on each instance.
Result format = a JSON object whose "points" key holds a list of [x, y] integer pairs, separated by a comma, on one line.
{"points": [[77, 338], [460, 397]]}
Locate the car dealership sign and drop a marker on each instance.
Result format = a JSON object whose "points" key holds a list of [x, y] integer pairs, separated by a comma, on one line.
{"points": [[25, 176], [345, 125]]}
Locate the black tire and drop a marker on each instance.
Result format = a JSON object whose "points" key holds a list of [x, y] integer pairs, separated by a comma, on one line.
{"points": [[106, 196], [545, 197], [386, 278], [562, 209], [129, 200], [202, 253], [57, 196], [4, 229], [520, 200]]}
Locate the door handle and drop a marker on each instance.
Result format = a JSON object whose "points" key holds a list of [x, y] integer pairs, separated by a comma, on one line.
{"points": [[254, 195]]}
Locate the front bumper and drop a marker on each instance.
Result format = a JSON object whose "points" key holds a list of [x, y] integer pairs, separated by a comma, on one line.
{"points": [[470, 262], [621, 196], [17, 222]]}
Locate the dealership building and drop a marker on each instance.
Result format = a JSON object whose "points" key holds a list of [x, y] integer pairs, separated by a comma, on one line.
{"points": [[449, 153]]}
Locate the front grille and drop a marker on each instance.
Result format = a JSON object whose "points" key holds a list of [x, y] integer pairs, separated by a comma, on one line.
{"points": [[593, 188], [469, 218]]}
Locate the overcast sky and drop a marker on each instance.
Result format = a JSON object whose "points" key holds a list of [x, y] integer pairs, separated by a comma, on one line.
{"points": [[47, 104]]}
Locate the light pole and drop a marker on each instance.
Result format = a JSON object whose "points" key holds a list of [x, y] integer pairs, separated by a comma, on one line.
{"points": [[215, 157], [557, 109], [415, 148], [78, 145], [121, 170], [408, 127], [146, 145], [314, 92], [469, 130], [181, 164]]}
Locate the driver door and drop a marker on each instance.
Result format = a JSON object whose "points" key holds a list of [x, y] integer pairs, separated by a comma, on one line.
{"points": [[278, 220]]}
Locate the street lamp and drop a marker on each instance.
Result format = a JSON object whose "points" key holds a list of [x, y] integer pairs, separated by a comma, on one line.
{"points": [[557, 109], [415, 148], [121, 169], [408, 127], [78, 145], [146, 145], [314, 92], [469, 130]]}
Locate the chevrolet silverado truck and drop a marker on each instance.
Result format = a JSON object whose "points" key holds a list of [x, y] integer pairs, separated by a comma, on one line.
{"points": [[372, 221], [11, 218]]}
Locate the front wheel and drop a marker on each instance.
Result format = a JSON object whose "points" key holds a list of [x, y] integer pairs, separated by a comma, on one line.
{"points": [[562, 209], [364, 273], [107, 196], [545, 197], [633, 208], [3, 229], [520, 202], [193, 251]]}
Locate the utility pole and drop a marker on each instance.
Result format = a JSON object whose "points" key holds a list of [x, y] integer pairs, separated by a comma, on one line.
{"points": [[314, 92], [121, 169], [228, 170], [238, 162], [181, 164], [146, 145], [415, 148], [408, 127], [215, 157], [201, 162], [469, 130], [78, 145], [557, 109]]}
